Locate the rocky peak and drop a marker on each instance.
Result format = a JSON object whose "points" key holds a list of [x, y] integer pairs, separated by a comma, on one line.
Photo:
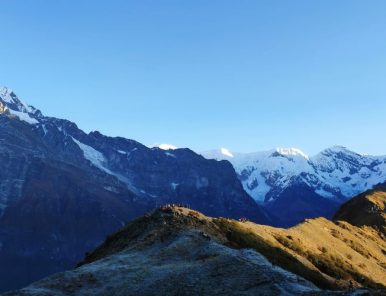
{"points": [[10, 103], [9, 100], [338, 153]]}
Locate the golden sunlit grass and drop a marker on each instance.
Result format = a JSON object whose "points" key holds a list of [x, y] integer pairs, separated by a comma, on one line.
{"points": [[330, 254]]}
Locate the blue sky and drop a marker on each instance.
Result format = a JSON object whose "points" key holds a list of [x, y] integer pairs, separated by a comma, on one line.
{"points": [[246, 75]]}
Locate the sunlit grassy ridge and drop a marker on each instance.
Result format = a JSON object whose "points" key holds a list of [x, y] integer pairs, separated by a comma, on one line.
{"points": [[367, 209], [332, 255], [349, 252]]}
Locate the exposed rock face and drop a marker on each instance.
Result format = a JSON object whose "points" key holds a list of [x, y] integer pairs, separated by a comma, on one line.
{"points": [[62, 190]]}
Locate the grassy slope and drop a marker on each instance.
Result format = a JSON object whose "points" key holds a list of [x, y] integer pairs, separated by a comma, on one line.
{"points": [[326, 253], [367, 209], [331, 255]]}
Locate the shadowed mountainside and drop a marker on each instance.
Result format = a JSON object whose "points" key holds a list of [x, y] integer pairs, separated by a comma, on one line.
{"points": [[62, 190]]}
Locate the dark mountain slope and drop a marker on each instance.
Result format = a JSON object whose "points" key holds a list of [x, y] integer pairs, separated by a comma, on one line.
{"points": [[298, 201], [62, 190], [60, 214]]}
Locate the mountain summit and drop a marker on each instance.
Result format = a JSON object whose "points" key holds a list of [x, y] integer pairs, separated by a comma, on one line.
{"points": [[10, 103]]}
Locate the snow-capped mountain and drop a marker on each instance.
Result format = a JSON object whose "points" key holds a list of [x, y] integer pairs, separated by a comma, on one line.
{"points": [[12, 105], [62, 190], [167, 147], [335, 173]]}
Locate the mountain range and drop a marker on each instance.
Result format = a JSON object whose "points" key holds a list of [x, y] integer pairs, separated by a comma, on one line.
{"points": [[288, 180], [62, 191]]}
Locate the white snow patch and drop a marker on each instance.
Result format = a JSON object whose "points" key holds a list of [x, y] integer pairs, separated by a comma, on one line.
{"points": [[324, 193], [226, 152], [93, 155], [99, 161], [5, 95], [111, 189], [167, 147], [174, 185], [44, 129], [23, 116], [292, 152]]}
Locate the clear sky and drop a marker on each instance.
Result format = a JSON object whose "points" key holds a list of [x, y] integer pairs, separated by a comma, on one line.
{"points": [[246, 75]]}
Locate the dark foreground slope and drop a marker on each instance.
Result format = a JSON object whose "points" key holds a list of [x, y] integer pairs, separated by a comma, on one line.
{"points": [[177, 251]]}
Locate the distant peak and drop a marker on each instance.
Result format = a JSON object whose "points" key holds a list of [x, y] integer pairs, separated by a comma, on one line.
{"points": [[7, 95], [292, 152], [13, 102], [167, 147], [338, 149], [5, 90], [226, 152]]}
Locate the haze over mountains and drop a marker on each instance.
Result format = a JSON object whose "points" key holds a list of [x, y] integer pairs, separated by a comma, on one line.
{"points": [[63, 191]]}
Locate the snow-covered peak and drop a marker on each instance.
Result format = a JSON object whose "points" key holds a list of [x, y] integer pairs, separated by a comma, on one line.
{"points": [[219, 154], [9, 98], [334, 172], [338, 149], [5, 94], [167, 147], [11, 104], [335, 156], [292, 152], [226, 152]]}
